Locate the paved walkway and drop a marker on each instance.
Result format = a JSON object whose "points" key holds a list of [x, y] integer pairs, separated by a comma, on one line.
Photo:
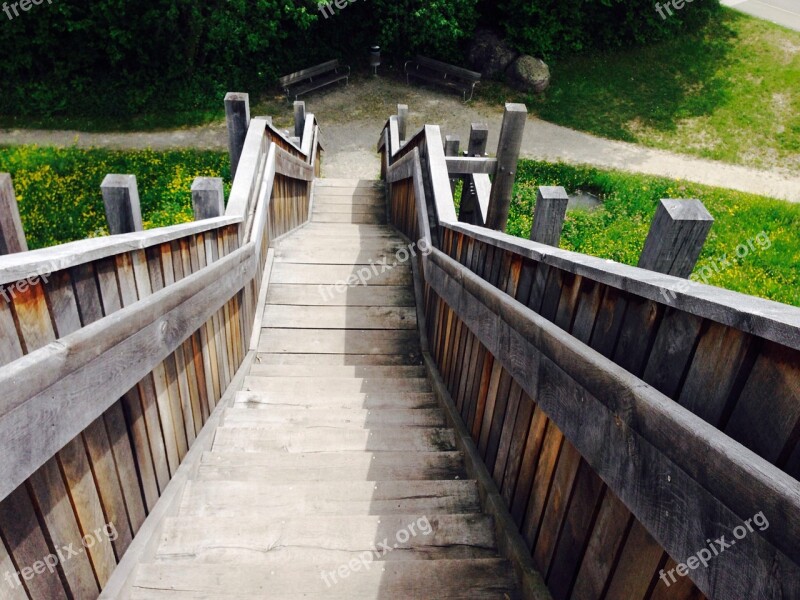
{"points": [[349, 132], [782, 12]]}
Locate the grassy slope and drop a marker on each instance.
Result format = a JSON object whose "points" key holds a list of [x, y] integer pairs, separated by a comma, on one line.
{"points": [[58, 190], [618, 229], [729, 92]]}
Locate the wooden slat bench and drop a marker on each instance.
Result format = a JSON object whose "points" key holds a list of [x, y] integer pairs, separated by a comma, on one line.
{"points": [[313, 78], [435, 71]]}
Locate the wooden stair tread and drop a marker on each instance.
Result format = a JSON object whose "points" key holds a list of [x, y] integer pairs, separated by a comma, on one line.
{"points": [[443, 579], [335, 399], [326, 438], [310, 358], [331, 466], [235, 498], [264, 540], [340, 317], [293, 416], [337, 371]]}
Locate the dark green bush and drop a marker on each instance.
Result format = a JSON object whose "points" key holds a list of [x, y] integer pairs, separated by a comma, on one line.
{"points": [[549, 28], [121, 57]]}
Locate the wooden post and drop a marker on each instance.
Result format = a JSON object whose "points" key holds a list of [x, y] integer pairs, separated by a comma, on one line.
{"points": [[478, 136], [507, 155], [299, 118], [208, 198], [402, 120], [676, 237], [237, 115], [548, 215], [121, 199], [12, 236], [452, 143]]}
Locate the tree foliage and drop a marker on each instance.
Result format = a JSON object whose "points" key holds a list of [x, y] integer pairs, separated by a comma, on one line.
{"points": [[123, 57]]}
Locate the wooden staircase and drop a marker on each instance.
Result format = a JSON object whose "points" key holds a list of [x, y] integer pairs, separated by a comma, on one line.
{"points": [[333, 473]]}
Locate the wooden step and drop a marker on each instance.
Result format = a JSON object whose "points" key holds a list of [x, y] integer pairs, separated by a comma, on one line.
{"points": [[322, 386], [293, 416], [335, 399], [313, 370], [278, 500], [340, 317], [331, 466], [271, 358], [312, 274], [370, 191], [374, 207], [373, 245], [411, 580], [290, 294], [348, 182], [329, 200], [357, 218], [264, 541], [340, 341], [345, 231], [334, 256], [325, 438]]}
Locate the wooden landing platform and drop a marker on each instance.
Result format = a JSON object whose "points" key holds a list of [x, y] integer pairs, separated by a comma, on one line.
{"points": [[333, 473]]}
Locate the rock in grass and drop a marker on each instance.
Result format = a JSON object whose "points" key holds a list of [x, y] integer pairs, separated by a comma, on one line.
{"points": [[489, 54], [529, 74]]}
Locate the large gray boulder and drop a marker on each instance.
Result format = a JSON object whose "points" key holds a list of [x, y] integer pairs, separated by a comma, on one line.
{"points": [[489, 54], [529, 74]]}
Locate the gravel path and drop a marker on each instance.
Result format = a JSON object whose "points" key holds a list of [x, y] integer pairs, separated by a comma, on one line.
{"points": [[350, 134]]}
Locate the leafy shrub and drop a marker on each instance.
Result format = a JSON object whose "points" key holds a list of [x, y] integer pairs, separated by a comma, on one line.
{"points": [[549, 28], [121, 57]]}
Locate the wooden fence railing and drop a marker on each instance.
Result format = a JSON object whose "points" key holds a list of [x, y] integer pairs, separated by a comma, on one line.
{"points": [[625, 429], [114, 352]]}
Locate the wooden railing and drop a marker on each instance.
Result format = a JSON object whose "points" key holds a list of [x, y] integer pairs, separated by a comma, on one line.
{"points": [[114, 353], [626, 430]]}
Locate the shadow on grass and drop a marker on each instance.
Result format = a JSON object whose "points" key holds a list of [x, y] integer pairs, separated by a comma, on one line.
{"points": [[653, 86]]}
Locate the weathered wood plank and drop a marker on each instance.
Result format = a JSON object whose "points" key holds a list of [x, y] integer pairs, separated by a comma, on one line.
{"points": [[332, 417], [320, 386], [334, 399], [337, 341], [345, 317], [234, 438], [203, 498], [409, 579], [27, 543], [331, 466], [323, 539]]}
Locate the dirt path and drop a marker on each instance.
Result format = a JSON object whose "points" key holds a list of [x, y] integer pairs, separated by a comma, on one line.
{"points": [[352, 118]]}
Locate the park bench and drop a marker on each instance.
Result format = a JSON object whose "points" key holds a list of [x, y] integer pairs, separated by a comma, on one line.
{"points": [[435, 71], [313, 78]]}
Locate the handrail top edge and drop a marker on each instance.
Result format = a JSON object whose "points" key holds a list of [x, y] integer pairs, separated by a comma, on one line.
{"points": [[761, 317], [23, 265]]}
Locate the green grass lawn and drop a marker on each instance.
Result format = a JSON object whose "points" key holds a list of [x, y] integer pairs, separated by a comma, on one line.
{"points": [[58, 189], [617, 229], [730, 92]]}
